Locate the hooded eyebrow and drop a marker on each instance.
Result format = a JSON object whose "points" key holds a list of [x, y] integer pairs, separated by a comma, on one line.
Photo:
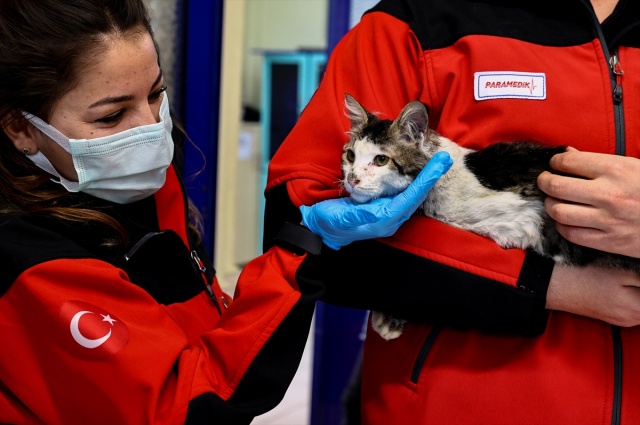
{"points": [[118, 99]]}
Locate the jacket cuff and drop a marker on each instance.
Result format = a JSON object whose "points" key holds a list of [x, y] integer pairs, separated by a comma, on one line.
{"points": [[534, 279], [298, 239]]}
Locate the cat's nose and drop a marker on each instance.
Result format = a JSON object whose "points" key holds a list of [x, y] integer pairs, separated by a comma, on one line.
{"points": [[352, 179]]}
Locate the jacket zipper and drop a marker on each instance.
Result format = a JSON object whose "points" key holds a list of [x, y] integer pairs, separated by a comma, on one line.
{"points": [[615, 75], [617, 375], [616, 83], [202, 268], [424, 352], [200, 264]]}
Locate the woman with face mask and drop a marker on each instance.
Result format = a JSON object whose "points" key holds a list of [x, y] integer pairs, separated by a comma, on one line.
{"points": [[110, 312]]}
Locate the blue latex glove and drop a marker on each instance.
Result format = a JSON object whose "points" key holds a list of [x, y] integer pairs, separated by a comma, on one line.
{"points": [[341, 221]]}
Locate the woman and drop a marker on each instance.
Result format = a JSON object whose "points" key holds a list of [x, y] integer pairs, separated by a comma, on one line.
{"points": [[497, 336], [109, 310]]}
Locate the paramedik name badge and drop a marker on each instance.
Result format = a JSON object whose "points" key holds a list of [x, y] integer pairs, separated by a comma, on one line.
{"points": [[509, 85]]}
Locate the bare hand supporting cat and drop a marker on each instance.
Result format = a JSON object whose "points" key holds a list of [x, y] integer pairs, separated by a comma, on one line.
{"points": [[610, 295], [602, 210]]}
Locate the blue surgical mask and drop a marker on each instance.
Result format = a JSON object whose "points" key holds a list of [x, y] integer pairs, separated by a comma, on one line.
{"points": [[123, 167]]}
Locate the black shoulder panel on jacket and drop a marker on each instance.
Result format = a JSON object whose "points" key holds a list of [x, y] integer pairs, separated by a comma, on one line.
{"points": [[440, 23], [25, 243], [622, 28], [155, 260]]}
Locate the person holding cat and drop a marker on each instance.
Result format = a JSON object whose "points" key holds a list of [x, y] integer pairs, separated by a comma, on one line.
{"points": [[110, 312], [495, 336]]}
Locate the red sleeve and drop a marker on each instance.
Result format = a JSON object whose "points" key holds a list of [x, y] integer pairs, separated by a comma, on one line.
{"points": [[82, 344]]}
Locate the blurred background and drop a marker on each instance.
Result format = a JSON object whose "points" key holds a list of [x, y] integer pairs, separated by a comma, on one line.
{"points": [[239, 73]]}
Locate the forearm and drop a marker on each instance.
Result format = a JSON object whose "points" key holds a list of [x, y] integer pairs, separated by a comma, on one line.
{"points": [[610, 295]]}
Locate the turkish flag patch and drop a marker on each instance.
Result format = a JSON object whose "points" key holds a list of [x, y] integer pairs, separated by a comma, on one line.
{"points": [[90, 331]]}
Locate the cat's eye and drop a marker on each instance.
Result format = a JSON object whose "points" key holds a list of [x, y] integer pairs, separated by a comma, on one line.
{"points": [[381, 160], [351, 156]]}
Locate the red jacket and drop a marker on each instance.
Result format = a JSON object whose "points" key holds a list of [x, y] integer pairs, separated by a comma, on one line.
{"points": [[98, 335], [482, 349]]}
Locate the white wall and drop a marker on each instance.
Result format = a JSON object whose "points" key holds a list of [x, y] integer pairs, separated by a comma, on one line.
{"points": [[279, 24], [251, 25]]}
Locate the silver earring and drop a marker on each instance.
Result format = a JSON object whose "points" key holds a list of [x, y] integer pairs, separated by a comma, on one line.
{"points": [[26, 151]]}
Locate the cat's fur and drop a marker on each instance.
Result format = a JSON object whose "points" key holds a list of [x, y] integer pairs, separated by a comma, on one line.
{"points": [[492, 191]]}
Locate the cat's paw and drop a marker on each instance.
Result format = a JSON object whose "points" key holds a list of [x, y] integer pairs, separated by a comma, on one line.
{"points": [[388, 327]]}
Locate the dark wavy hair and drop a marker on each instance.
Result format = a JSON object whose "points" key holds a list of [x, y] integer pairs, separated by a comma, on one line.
{"points": [[44, 45]]}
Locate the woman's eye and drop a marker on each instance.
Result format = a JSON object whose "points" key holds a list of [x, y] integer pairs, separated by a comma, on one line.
{"points": [[351, 156], [156, 94], [381, 160], [111, 118]]}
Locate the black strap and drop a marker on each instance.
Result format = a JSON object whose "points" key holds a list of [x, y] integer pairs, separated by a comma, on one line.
{"points": [[298, 239]]}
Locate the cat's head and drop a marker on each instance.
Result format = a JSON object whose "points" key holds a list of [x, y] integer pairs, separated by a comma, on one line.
{"points": [[382, 157]]}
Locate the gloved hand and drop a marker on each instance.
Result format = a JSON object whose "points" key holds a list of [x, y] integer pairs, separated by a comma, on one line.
{"points": [[341, 221]]}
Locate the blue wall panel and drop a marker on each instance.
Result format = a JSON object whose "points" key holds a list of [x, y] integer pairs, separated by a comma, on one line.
{"points": [[202, 104]]}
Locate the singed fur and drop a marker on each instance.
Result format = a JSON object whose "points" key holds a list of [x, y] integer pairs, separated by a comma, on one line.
{"points": [[491, 192]]}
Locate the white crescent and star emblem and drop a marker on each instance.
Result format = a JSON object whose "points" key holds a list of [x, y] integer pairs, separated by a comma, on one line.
{"points": [[89, 331], [81, 339]]}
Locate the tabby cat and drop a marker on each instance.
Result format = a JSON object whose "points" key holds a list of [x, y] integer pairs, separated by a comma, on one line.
{"points": [[491, 192]]}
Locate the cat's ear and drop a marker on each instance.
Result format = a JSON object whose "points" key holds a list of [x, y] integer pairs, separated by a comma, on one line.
{"points": [[413, 122], [356, 113]]}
